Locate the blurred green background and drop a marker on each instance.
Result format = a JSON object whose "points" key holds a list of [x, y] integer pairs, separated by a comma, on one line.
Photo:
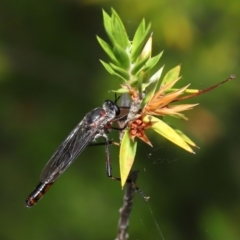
{"points": [[50, 76]]}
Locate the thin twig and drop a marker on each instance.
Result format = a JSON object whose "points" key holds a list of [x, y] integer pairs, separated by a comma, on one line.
{"points": [[126, 208]]}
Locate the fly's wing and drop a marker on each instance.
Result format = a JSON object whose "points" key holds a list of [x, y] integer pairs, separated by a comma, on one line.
{"points": [[124, 110], [125, 100], [68, 151], [124, 107]]}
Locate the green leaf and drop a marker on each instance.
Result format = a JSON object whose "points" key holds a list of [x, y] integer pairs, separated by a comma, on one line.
{"points": [[107, 22], [111, 70], [139, 40], [120, 71], [107, 48], [151, 62], [121, 56], [188, 90], [107, 67], [171, 75], [169, 133], [121, 90], [119, 32], [138, 36], [138, 65], [127, 154]]}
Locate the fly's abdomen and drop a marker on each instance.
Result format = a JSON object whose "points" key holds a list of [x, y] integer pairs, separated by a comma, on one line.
{"points": [[37, 194]]}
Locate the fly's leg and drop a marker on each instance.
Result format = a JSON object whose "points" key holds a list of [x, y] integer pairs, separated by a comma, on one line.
{"points": [[119, 128], [108, 161], [102, 143], [109, 172]]}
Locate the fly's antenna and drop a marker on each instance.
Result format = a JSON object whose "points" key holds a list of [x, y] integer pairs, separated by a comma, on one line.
{"points": [[116, 98]]}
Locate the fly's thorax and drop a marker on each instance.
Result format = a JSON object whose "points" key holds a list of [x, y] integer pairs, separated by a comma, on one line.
{"points": [[111, 109], [95, 115]]}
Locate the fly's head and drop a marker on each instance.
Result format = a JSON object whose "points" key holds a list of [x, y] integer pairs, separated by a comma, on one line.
{"points": [[112, 110]]}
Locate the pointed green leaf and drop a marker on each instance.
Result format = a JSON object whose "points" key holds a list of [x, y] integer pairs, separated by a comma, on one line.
{"points": [[169, 133], [107, 22], [107, 48], [139, 65], [119, 76], [127, 154], [107, 67], [171, 75], [139, 40], [119, 32], [122, 56], [151, 62], [188, 90], [138, 36], [120, 71], [111, 70], [121, 90]]}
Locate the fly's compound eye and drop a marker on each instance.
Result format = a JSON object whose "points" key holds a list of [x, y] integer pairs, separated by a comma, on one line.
{"points": [[117, 109]]}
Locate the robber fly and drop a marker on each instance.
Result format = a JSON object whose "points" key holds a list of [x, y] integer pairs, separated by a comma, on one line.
{"points": [[96, 123]]}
